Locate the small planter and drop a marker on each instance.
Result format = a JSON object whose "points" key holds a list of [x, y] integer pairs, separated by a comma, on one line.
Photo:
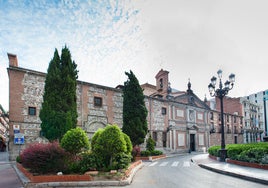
{"points": [[151, 158], [252, 165], [88, 176], [213, 157], [53, 178]]}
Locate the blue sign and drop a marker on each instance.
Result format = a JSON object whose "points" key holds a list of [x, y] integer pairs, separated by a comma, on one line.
{"points": [[18, 138]]}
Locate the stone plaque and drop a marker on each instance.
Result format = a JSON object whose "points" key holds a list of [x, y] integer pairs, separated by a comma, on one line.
{"points": [[181, 139]]}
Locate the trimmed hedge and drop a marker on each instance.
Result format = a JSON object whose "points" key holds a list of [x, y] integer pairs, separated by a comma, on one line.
{"points": [[253, 152], [147, 153]]}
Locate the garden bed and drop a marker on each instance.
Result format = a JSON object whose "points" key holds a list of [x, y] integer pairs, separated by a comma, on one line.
{"points": [[150, 158], [242, 163], [253, 165], [75, 177]]}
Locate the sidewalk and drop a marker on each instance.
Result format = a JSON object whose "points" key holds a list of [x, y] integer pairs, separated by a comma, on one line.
{"points": [[9, 176], [247, 173], [4, 157]]}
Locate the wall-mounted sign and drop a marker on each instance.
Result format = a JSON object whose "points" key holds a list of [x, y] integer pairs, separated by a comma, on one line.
{"points": [[16, 129], [19, 138]]}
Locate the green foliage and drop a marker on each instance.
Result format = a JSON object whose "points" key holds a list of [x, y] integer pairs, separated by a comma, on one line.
{"points": [[214, 150], [44, 158], [95, 138], [58, 113], [85, 162], [75, 141], [253, 152], [122, 160], [134, 110], [145, 153], [150, 144], [253, 155], [264, 160], [128, 143], [18, 159], [111, 144], [156, 152]]}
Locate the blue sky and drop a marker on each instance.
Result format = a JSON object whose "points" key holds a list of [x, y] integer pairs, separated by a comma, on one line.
{"points": [[191, 39]]}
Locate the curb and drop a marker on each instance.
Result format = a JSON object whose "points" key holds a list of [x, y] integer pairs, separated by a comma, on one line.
{"points": [[125, 182], [258, 180]]}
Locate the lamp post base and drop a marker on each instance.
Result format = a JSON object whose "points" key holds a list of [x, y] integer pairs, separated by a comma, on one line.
{"points": [[223, 154]]}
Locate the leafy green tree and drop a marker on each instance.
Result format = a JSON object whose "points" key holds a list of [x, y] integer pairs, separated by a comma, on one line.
{"points": [[58, 113], [75, 141], [110, 145], [134, 110], [150, 144]]}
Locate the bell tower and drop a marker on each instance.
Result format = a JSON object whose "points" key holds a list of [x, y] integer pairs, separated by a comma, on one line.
{"points": [[162, 82]]}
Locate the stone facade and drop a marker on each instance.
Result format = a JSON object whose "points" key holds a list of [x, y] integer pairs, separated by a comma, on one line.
{"points": [[177, 120], [26, 93]]}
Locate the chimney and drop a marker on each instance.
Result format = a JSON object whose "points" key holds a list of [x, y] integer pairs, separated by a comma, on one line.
{"points": [[13, 61]]}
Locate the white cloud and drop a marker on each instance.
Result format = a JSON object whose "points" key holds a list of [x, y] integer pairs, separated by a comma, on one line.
{"points": [[191, 39]]}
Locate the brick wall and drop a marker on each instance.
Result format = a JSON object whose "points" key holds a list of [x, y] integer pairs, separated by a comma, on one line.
{"points": [[26, 90]]}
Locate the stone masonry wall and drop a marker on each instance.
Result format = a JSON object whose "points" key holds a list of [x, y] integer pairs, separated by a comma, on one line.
{"points": [[26, 90]]}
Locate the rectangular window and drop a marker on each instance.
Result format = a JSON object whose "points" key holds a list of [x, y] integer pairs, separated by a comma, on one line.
{"points": [[164, 111], [32, 111], [98, 101]]}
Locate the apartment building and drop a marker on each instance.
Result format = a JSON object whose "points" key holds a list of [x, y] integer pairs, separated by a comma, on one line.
{"points": [[233, 121], [260, 99], [4, 129]]}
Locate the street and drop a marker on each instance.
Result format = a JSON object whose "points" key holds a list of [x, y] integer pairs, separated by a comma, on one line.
{"points": [[181, 172]]}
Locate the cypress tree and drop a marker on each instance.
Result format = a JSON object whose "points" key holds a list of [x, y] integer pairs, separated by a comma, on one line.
{"points": [[134, 110], [58, 113]]}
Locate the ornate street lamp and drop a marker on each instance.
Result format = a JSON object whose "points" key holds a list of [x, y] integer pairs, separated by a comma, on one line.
{"points": [[220, 93]]}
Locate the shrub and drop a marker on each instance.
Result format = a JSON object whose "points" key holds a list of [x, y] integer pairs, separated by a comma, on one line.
{"points": [[122, 161], [234, 151], [136, 151], [150, 144], [156, 152], [253, 152], [264, 160], [128, 143], [44, 158], [95, 138], [75, 141], [214, 150], [253, 155], [145, 153], [18, 159], [89, 161], [108, 144]]}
